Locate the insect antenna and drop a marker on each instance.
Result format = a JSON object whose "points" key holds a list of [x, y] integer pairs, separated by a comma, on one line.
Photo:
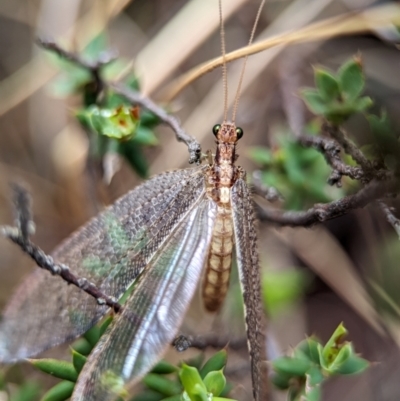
{"points": [[237, 96], [224, 68]]}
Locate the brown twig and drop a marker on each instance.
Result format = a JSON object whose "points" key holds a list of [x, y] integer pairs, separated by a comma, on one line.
{"points": [[182, 342], [321, 212], [271, 194], [331, 151], [102, 59], [20, 236], [134, 97], [350, 148]]}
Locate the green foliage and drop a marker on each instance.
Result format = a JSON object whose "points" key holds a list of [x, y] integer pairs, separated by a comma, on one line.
{"points": [[115, 128], [338, 96], [60, 392], [193, 380], [311, 363], [299, 174], [54, 367]]}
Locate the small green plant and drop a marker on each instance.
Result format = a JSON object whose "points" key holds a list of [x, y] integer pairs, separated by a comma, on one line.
{"points": [[114, 127], [191, 381], [311, 363], [338, 96], [299, 174]]}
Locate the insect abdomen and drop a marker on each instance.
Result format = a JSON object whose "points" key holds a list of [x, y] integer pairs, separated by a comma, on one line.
{"points": [[219, 260]]}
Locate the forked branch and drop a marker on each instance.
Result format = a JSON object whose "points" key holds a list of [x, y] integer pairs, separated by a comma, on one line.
{"points": [[20, 235], [134, 97], [321, 212]]}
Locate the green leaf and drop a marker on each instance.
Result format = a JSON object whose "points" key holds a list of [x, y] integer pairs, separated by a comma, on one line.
{"points": [[69, 82], [351, 78], [134, 155], [347, 362], [363, 103], [281, 380], [118, 123], [164, 368], [315, 376], [145, 136], [78, 360], [60, 392], [341, 357], [61, 369], [308, 349], [192, 383], [291, 366], [314, 101], [215, 382], [104, 325], [313, 394], [162, 384], [216, 362], [259, 155], [82, 346], [92, 336], [96, 46], [327, 84], [149, 119], [332, 347]]}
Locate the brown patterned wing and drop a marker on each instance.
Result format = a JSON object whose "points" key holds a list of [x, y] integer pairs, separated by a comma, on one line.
{"points": [[111, 251], [249, 273], [153, 313]]}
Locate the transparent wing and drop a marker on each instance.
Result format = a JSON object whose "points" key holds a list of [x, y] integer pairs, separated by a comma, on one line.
{"points": [[153, 313], [111, 250], [249, 272]]}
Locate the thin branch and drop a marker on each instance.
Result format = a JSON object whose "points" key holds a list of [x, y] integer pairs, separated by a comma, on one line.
{"points": [[321, 212], [331, 151], [271, 194], [350, 148], [182, 342], [94, 67], [104, 58], [134, 97], [20, 236], [390, 217]]}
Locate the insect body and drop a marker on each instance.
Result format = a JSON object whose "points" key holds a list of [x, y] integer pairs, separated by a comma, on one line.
{"points": [[162, 233], [220, 178]]}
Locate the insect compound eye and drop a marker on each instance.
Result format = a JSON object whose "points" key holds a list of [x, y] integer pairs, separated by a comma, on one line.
{"points": [[239, 132], [216, 129]]}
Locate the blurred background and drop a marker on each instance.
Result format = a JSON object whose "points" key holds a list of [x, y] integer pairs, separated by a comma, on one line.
{"points": [[345, 270]]}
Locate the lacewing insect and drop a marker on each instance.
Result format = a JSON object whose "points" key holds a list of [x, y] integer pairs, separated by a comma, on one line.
{"points": [[163, 234]]}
